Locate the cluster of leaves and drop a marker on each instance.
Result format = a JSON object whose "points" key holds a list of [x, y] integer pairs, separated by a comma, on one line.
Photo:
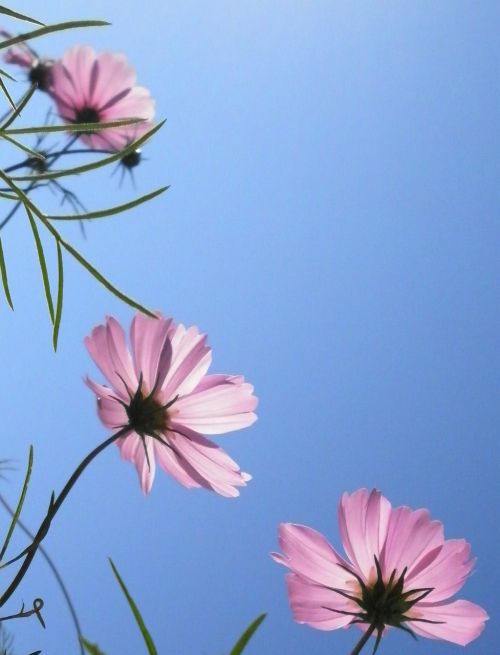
{"points": [[90, 648], [237, 649], [41, 175]]}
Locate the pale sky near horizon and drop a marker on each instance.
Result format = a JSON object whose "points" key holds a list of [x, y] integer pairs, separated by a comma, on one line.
{"points": [[332, 224]]}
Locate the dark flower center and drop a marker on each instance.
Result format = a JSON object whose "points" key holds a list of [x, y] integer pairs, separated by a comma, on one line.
{"points": [[38, 164], [146, 416], [383, 603], [133, 159], [41, 74], [87, 115]]}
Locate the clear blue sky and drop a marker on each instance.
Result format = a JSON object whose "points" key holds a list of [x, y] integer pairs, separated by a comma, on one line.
{"points": [[333, 225]]}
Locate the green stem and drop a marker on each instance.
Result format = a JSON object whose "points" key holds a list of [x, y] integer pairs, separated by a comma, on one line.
{"points": [[54, 570], [357, 648], [52, 511]]}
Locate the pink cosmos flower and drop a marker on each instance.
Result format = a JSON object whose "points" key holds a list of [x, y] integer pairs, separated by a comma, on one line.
{"points": [[400, 571], [39, 69], [162, 392], [96, 88]]}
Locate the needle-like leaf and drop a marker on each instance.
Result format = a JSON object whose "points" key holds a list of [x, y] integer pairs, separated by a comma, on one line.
{"points": [[151, 648], [21, 146], [19, 505], [5, 281], [6, 93], [15, 14], [240, 645], [43, 263], [92, 649], [74, 127], [17, 111], [48, 29], [60, 293], [111, 211]]}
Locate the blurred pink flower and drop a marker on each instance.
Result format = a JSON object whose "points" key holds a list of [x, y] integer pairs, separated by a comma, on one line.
{"points": [[400, 571], [96, 88], [39, 69], [161, 390]]}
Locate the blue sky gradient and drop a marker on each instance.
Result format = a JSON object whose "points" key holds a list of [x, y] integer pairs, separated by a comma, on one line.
{"points": [[332, 224]]}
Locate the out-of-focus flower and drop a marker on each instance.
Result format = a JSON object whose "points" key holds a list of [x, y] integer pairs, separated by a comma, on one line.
{"points": [[400, 572], [97, 88], [39, 69], [162, 392]]}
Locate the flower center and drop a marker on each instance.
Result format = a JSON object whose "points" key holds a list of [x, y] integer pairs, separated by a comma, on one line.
{"points": [[384, 602], [146, 416], [87, 115], [133, 159], [41, 74]]}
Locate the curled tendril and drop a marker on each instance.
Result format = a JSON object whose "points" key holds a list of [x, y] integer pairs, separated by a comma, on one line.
{"points": [[36, 610]]}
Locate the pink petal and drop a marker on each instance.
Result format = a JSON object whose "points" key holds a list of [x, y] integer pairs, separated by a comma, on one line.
{"points": [[363, 520], [129, 445], [119, 353], [152, 348], [315, 605], [63, 90], [462, 621], [191, 358], [138, 103], [307, 553], [221, 408], [73, 83], [110, 411], [446, 573], [134, 448], [411, 536], [106, 346], [210, 462], [177, 467], [114, 75], [19, 57]]}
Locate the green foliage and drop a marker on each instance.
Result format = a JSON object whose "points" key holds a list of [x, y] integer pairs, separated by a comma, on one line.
{"points": [[92, 166], [137, 615], [92, 649], [242, 642], [19, 507], [112, 211], [14, 14], [38, 177], [60, 292], [5, 281], [43, 264], [49, 29]]}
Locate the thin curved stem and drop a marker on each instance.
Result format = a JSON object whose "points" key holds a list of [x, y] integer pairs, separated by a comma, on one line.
{"points": [[54, 507], [55, 572], [52, 156], [357, 648]]}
